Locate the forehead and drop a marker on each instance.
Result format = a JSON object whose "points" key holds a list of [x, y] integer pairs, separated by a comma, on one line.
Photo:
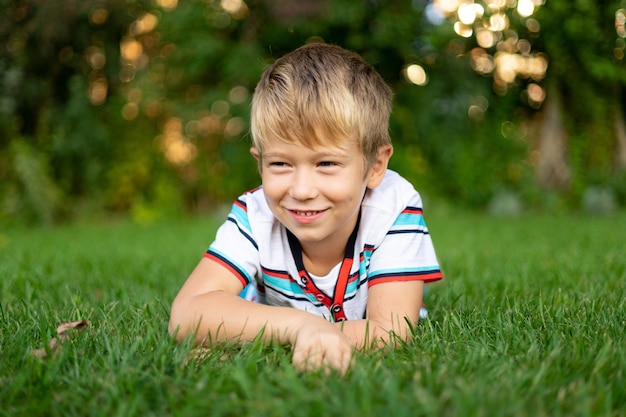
{"points": [[341, 146], [306, 130]]}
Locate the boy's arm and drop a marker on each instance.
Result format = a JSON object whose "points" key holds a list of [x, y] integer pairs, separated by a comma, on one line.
{"points": [[208, 306], [389, 306]]}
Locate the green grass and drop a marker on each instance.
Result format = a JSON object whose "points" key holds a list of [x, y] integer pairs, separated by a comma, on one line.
{"points": [[530, 321]]}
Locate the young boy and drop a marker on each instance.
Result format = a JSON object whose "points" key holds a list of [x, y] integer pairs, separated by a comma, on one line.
{"points": [[334, 242]]}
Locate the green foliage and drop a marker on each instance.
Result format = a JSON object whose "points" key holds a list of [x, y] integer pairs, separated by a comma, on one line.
{"points": [[590, 82], [49, 69], [206, 83], [162, 127], [77, 140], [35, 197]]}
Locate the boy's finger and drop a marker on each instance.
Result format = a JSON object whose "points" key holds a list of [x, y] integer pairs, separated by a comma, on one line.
{"points": [[341, 361], [306, 360]]}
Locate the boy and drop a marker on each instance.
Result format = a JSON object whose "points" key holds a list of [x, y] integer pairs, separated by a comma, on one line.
{"points": [[335, 243]]}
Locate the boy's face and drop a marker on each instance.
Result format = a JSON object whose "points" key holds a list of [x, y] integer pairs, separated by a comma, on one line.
{"points": [[317, 193]]}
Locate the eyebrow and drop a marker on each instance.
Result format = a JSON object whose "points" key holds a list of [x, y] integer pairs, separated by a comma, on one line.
{"points": [[341, 153]]}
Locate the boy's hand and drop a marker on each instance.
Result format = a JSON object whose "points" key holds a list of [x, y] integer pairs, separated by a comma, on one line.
{"points": [[316, 346]]}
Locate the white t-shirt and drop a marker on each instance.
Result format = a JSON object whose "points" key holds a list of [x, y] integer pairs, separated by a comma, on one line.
{"points": [[392, 244]]}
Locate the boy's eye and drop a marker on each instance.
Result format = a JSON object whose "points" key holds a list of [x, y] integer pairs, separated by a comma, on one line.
{"points": [[327, 164], [278, 164]]}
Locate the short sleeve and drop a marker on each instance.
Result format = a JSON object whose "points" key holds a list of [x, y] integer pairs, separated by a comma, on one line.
{"points": [[406, 252], [234, 246]]}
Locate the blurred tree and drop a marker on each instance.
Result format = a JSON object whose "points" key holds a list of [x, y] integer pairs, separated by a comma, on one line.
{"points": [[567, 61], [437, 142], [201, 64], [585, 87], [59, 65], [141, 106]]}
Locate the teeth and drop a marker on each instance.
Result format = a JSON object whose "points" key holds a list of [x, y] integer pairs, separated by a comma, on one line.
{"points": [[306, 213]]}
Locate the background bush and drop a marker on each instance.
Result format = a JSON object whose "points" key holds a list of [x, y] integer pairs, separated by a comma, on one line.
{"points": [[141, 107]]}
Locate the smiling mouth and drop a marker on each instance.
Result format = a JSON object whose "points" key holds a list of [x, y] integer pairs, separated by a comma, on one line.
{"points": [[307, 213]]}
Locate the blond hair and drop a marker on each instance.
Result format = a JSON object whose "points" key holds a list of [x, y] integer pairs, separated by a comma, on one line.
{"points": [[322, 94]]}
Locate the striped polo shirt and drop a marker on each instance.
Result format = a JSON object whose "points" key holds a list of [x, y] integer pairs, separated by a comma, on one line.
{"points": [[393, 244]]}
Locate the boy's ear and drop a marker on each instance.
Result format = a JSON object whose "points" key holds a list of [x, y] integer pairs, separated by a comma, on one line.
{"points": [[257, 155], [379, 167]]}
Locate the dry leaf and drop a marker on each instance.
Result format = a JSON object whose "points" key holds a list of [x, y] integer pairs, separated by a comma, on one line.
{"points": [[65, 327], [62, 335]]}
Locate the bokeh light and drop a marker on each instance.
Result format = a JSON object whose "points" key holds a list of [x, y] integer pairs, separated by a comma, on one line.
{"points": [[536, 95], [533, 25], [234, 126], [176, 147], [98, 90], [99, 16], [501, 51], [478, 107], [238, 94], [130, 49], [469, 12], [144, 24], [130, 111], [462, 29], [481, 61], [486, 38], [220, 108], [447, 6], [167, 4], [498, 22], [236, 8], [525, 8], [620, 23], [95, 57], [416, 74]]}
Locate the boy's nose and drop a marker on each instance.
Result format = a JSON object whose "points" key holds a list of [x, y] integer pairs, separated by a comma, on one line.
{"points": [[303, 186]]}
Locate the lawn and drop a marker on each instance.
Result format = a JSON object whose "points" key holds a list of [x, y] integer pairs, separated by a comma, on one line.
{"points": [[530, 321]]}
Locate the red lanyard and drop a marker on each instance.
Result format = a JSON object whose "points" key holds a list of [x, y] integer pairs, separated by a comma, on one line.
{"points": [[335, 304]]}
